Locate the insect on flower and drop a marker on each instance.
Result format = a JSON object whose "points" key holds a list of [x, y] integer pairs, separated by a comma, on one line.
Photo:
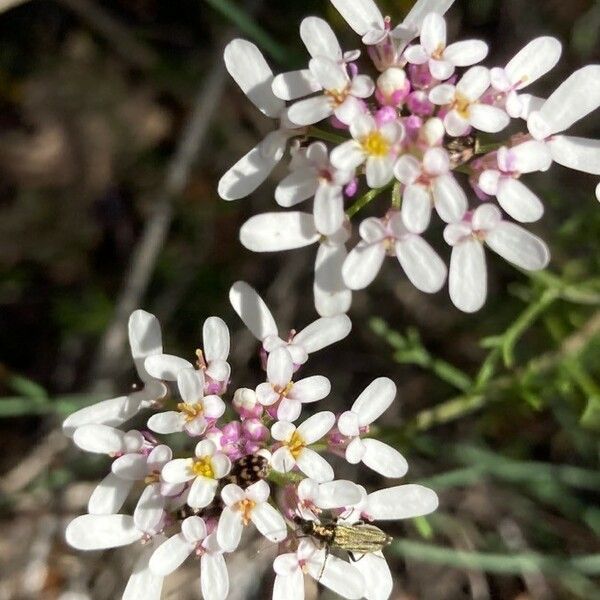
{"points": [[248, 470]]}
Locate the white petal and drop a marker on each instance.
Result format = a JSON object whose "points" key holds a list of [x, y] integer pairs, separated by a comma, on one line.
{"points": [[145, 339], [202, 492], [278, 231], [361, 15], [384, 459], [339, 576], [348, 423], [101, 439], [529, 104], [379, 170], [190, 383], [455, 233], [96, 532], [519, 201], [441, 69], [489, 181], [527, 157], [311, 110], [323, 332], [332, 297], [329, 73], [319, 38], [143, 584], [436, 161], [433, 33], [311, 389], [486, 216], [581, 154], [178, 470], [130, 466], [259, 491], [456, 125], [298, 186], [269, 522], [416, 208], [252, 309], [289, 587], [423, 267], [149, 510], [170, 555], [336, 494], [295, 84], [328, 208], [350, 108], [466, 53], [575, 98], [229, 529], [166, 422], [250, 70], [490, 119], [376, 572], [280, 367], [374, 400], [219, 370], [402, 502], [442, 94], [362, 265], [166, 366], [421, 8], [355, 451], [449, 198], [109, 495], [289, 409], [533, 61], [316, 426], [282, 460], [468, 276], [232, 493], [362, 87], [282, 430], [474, 83], [416, 54], [214, 578], [313, 465], [407, 169], [348, 155], [215, 339], [214, 407], [518, 246]]}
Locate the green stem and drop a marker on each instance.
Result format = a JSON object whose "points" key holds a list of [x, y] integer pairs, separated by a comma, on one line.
{"points": [[366, 199], [326, 136]]}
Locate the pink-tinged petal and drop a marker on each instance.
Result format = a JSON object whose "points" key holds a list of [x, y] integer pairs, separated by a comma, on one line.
{"points": [[374, 400], [166, 366], [490, 119], [149, 510], [416, 208], [310, 111], [282, 430], [109, 495], [308, 490], [100, 439], [316, 426], [348, 155], [449, 198], [310, 389], [229, 529], [355, 451], [533, 61], [474, 83], [282, 460], [295, 84], [250, 70], [298, 186], [519, 201], [252, 309], [518, 246], [468, 276], [130, 466], [422, 265], [338, 575], [441, 69], [379, 170], [190, 383], [214, 578], [287, 564], [402, 502], [331, 295], [486, 216], [167, 422], [219, 370], [337, 494], [456, 124], [178, 470], [289, 410], [466, 53], [527, 157], [489, 181], [97, 532], [289, 587], [348, 423], [170, 555], [376, 572], [433, 33], [272, 232], [143, 584], [577, 153], [362, 265], [202, 492], [145, 339], [384, 459], [407, 169], [455, 233], [280, 367], [313, 465], [362, 16], [232, 493], [319, 38], [269, 522], [215, 339], [214, 407], [416, 55], [328, 208], [442, 94], [323, 332]]}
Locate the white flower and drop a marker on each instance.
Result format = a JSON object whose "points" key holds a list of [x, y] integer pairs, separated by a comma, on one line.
{"points": [[442, 59], [342, 95], [243, 506], [575, 98], [338, 575], [143, 583], [250, 70], [279, 386], [378, 146], [212, 361], [313, 175], [321, 42], [193, 414], [527, 66], [145, 340], [513, 196], [370, 405], [423, 267], [314, 497], [294, 450], [429, 182], [468, 276], [465, 110], [193, 539], [98, 532], [258, 319], [204, 471]]}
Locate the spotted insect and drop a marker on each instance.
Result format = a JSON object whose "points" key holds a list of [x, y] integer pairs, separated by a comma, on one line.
{"points": [[247, 470]]}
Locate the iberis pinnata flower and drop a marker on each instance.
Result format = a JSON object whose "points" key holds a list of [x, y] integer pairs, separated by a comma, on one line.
{"points": [[250, 459], [420, 136]]}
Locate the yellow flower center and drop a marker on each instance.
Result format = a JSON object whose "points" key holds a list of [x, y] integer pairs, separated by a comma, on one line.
{"points": [[461, 105], [151, 478], [284, 391], [202, 467], [296, 444], [245, 506], [375, 144], [191, 411], [336, 97], [439, 52]]}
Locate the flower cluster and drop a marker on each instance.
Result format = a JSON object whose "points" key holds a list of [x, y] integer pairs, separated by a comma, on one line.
{"points": [[211, 461], [413, 127]]}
